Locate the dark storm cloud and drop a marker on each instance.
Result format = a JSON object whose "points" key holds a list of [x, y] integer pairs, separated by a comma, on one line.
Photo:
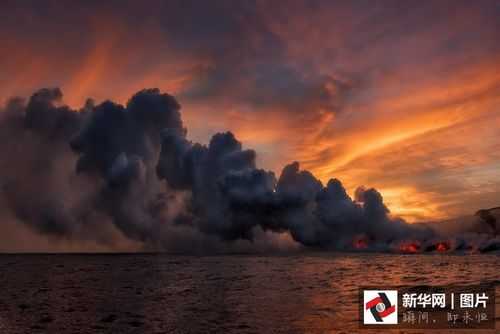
{"points": [[230, 196], [36, 169], [123, 153], [113, 178], [246, 59], [74, 174], [121, 145], [114, 138], [220, 177]]}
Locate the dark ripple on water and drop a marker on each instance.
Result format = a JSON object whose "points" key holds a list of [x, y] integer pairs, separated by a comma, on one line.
{"points": [[222, 294]]}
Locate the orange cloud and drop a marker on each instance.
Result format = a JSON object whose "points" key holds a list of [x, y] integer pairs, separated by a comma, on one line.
{"points": [[405, 103]]}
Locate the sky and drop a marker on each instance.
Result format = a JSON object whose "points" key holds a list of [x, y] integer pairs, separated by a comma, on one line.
{"points": [[400, 96]]}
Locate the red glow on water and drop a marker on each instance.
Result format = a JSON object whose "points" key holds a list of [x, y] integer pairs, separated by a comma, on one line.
{"points": [[409, 247]]}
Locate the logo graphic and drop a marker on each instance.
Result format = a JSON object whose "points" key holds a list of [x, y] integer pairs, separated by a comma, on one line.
{"points": [[380, 307]]}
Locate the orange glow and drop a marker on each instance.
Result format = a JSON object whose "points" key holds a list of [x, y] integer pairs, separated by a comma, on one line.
{"points": [[442, 246], [419, 121], [93, 68], [410, 247]]}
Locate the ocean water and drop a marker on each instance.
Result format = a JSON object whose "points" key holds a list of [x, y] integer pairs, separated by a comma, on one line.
{"points": [[159, 293]]}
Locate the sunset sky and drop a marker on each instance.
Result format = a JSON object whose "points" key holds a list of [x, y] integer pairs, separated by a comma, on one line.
{"points": [[403, 96]]}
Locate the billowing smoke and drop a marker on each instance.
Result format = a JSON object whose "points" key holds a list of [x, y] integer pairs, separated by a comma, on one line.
{"points": [[109, 169], [120, 146], [36, 159], [89, 173], [230, 196]]}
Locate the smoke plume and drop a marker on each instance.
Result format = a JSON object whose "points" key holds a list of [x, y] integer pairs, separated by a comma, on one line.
{"points": [[109, 169]]}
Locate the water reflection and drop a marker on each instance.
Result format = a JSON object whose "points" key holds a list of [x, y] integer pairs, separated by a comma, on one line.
{"points": [[314, 293]]}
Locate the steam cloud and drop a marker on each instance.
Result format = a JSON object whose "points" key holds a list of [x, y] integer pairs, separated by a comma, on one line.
{"points": [[83, 174]]}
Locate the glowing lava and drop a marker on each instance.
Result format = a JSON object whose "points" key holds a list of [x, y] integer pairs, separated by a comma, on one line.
{"points": [[442, 247], [410, 247], [360, 243]]}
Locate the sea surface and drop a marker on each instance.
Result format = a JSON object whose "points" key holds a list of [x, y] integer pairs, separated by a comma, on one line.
{"points": [[159, 293]]}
